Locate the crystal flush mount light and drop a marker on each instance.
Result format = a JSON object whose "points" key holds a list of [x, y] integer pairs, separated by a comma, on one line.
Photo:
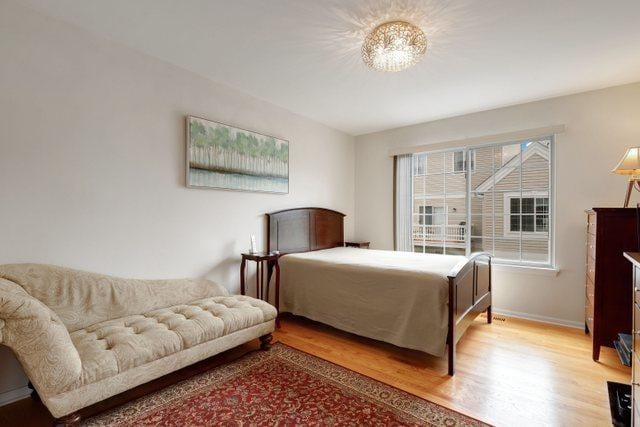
{"points": [[394, 46]]}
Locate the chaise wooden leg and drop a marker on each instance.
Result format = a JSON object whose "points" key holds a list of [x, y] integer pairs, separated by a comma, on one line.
{"points": [[265, 342], [34, 393], [72, 419], [489, 315]]}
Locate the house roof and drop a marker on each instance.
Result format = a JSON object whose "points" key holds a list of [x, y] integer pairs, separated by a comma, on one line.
{"points": [[511, 165]]}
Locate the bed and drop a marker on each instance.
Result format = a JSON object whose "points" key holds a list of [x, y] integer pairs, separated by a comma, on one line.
{"points": [[397, 297]]}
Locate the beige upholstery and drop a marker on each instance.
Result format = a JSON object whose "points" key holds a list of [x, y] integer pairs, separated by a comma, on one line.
{"points": [[114, 334]]}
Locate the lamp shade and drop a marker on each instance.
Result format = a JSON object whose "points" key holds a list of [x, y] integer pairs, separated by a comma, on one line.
{"points": [[630, 163]]}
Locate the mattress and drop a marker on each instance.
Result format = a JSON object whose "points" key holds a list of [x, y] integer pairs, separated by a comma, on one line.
{"points": [[397, 297]]}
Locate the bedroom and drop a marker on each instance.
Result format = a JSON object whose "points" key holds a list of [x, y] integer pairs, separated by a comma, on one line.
{"points": [[96, 100]]}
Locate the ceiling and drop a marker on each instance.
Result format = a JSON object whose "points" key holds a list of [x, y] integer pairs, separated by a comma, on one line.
{"points": [[304, 55]]}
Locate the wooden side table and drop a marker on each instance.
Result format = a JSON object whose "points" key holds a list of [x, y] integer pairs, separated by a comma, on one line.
{"points": [[262, 259], [361, 245]]}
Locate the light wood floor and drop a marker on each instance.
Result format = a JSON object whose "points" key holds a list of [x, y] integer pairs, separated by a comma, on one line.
{"points": [[512, 372]]}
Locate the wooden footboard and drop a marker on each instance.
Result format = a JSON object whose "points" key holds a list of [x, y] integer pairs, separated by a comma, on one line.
{"points": [[469, 295]]}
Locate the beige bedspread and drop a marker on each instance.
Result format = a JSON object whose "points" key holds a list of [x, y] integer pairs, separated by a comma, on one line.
{"points": [[397, 297]]}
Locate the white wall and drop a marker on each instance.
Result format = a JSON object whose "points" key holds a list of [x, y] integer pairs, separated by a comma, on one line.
{"points": [[92, 160], [600, 125]]}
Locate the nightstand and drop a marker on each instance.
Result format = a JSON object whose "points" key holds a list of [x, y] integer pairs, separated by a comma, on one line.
{"points": [[361, 245], [262, 260]]}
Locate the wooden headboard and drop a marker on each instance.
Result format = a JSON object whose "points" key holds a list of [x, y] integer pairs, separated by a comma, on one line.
{"points": [[304, 230]]}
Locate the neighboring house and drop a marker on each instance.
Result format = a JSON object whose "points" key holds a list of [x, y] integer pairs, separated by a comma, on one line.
{"points": [[509, 201]]}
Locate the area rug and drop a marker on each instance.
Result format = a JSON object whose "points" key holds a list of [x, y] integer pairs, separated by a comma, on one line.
{"points": [[282, 386]]}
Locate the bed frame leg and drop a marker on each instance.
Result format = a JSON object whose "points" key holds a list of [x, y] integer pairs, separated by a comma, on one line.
{"points": [[451, 336], [489, 315], [452, 359]]}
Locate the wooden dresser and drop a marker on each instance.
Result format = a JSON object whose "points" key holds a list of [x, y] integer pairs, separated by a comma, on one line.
{"points": [[610, 233], [634, 257]]}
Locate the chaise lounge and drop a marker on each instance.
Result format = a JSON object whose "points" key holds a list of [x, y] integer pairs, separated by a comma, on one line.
{"points": [[83, 337]]}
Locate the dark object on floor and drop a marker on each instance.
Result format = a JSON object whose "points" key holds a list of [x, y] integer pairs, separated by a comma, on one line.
{"points": [[623, 348], [625, 340], [620, 403]]}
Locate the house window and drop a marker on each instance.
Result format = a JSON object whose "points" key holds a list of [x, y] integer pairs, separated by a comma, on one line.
{"points": [[528, 214], [459, 161], [420, 164], [422, 212], [505, 207], [430, 215]]}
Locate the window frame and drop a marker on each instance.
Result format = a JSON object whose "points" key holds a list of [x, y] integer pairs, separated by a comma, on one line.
{"points": [[464, 169], [507, 214]]}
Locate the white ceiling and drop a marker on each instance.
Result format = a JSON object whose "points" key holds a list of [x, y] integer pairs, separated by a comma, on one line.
{"points": [[304, 55]]}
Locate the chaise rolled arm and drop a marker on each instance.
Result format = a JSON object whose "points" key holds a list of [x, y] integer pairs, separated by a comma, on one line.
{"points": [[39, 340]]}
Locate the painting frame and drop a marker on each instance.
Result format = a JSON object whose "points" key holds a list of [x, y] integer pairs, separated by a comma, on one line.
{"points": [[189, 168]]}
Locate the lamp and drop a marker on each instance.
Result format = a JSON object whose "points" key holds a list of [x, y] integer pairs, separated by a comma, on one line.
{"points": [[630, 165], [394, 46]]}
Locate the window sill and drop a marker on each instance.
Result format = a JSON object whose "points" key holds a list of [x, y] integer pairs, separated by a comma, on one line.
{"points": [[527, 269]]}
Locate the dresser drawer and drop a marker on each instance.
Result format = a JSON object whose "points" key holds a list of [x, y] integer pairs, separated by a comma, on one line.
{"points": [[636, 318], [588, 314], [591, 223], [591, 269], [590, 289], [635, 378], [591, 246], [636, 343], [636, 286]]}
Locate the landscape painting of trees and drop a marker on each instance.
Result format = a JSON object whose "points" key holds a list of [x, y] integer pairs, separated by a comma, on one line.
{"points": [[222, 156]]}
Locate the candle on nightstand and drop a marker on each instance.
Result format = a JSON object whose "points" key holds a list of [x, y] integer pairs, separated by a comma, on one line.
{"points": [[253, 244]]}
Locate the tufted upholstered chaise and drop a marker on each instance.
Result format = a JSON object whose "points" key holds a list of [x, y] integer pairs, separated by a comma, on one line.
{"points": [[84, 337]]}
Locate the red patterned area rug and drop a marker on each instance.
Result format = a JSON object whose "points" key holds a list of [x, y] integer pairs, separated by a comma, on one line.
{"points": [[282, 386]]}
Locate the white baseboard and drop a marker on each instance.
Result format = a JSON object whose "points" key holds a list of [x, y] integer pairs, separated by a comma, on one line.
{"points": [[14, 395], [538, 318]]}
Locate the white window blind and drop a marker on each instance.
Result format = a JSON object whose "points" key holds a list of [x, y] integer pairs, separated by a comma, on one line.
{"points": [[404, 173], [495, 198]]}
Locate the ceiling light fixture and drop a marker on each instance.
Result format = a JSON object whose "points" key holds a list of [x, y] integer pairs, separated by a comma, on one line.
{"points": [[394, 46]]}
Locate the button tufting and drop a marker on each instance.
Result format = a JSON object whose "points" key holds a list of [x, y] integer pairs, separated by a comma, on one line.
{"points": [[216, 315]]}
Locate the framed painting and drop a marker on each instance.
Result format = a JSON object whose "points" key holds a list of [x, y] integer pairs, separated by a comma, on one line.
{"points": [[230, 158]]}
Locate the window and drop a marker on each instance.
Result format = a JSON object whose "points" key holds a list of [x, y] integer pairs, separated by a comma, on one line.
{"points": [[505, 207], [420, 164], [430, 215], [527, 214], [459, 162]]}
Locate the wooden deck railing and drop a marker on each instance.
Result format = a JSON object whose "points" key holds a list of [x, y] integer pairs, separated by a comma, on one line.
{"points": [[439, 233]]}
